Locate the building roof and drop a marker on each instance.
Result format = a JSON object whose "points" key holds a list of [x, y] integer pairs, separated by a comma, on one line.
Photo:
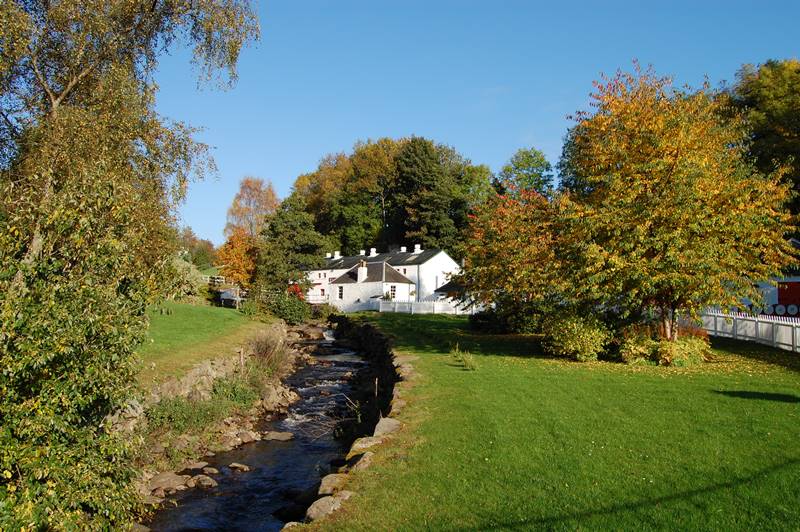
{"points": [[377, 272], [393, 258], [449, 288]]}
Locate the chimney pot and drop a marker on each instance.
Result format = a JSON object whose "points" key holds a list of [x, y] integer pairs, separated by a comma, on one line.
{"points": [[417, 248], [336, 255], [372, 252], [327, 255], [362, 252], [402, 249]]}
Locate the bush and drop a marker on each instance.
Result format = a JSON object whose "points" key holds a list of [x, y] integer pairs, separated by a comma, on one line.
{"points": [[289, 308], [187, 279], [686, 351], [637, 344], [323, 312], [579, 338], [250, 308]]}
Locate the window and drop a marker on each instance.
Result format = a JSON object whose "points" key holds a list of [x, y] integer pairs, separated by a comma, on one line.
{"points": [[322, 291], [392, 292], [341, 292], [319, 276], [404, 271]]}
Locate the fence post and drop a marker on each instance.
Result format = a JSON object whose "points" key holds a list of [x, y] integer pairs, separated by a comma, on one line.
{"points": [[774, 334], [736, 328], [715, 325], [794, 337]]}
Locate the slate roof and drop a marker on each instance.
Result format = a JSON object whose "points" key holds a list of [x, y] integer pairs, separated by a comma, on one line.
{"points": [[393, 258], [377, 272]]}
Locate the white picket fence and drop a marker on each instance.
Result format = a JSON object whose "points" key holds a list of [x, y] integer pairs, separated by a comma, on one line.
{"points": [[422, 307], [777, 331]]}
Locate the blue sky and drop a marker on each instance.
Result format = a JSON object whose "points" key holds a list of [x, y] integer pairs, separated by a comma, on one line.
{"points": [[486, 77]]}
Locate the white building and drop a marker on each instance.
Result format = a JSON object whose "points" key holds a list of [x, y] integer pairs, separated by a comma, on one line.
{"points": [[422, 272]]}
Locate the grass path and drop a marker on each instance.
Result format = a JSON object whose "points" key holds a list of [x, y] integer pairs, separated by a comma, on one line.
{"points": [[191, 333], [527, 442]]}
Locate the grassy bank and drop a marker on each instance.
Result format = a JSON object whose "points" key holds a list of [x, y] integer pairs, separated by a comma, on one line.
{"points": [[529, 442], [185, 334]]}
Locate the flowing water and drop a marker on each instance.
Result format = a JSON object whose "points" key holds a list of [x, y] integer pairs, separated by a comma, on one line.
{"points": [[280, 471]]}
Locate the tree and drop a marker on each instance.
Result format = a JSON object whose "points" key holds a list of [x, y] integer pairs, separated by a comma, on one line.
{"points": [[422, 204], [89, 178], [255, 201], [289, 246], [769, 96], [674, 217], [198, 251], [527, 169], [238, 257]]}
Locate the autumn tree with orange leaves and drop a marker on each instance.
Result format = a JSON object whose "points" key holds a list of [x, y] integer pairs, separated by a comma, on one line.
{"points": [[665, 213], [255, 201], [238, 257]]}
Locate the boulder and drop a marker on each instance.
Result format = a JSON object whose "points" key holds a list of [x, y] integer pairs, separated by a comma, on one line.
{"points": [[167, 481], [290, 524], [210, 471], [332, 483], [278, 436], [386, 426], [327, 505], [398, 405], [196, 465], [236, 466], [363, 461], [362, 444], [204, 481], [247, 436]]}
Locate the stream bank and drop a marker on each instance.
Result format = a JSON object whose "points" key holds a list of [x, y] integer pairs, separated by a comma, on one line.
{"points": [[345, 390]]}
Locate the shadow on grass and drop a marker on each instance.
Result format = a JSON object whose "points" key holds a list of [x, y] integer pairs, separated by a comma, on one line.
{"points": [[759, 352], [764, 396], [566, 519]]}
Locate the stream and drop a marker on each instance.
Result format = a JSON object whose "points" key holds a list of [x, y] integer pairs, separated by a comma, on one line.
{"points": [[265, 498]]}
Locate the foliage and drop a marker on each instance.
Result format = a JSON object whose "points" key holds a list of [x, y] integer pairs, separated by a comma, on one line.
{"points": [[666, 215], [508, 315], [289, 245], [287, 307], [89, 178], [363, 199], [250, 308], [269, 350], [769, 96], [323, 312], [528, 169], [682, 352], [199, 252], [238, 257], [187, 279], [254, 202], [577, 337]]}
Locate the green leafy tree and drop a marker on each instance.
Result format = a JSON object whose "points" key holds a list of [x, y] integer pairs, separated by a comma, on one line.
{"points": [[89, 178], [289, 245], [673, 216], [422, 203], [769, 96], [528, 169]]}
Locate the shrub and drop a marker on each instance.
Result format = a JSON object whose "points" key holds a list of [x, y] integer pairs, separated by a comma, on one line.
{"points": [[288, 307], [509, 316], [686, 351], [637, 344], [187, 279], [323, 311], [579, 338], [250, 308]]}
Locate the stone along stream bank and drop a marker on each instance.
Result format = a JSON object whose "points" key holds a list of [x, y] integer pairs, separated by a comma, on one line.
{"points": [[298, 471]]}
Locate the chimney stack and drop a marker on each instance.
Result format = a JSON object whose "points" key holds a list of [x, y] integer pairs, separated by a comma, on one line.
{"points": [[361, 273], [373, 252], [327, 255], [417, 248], [336, 255], [362, 252], [402, 249]]}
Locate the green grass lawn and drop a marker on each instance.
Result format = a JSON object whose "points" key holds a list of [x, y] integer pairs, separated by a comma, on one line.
{"points": [[191, 333], [530, 442], [211, 270]]}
